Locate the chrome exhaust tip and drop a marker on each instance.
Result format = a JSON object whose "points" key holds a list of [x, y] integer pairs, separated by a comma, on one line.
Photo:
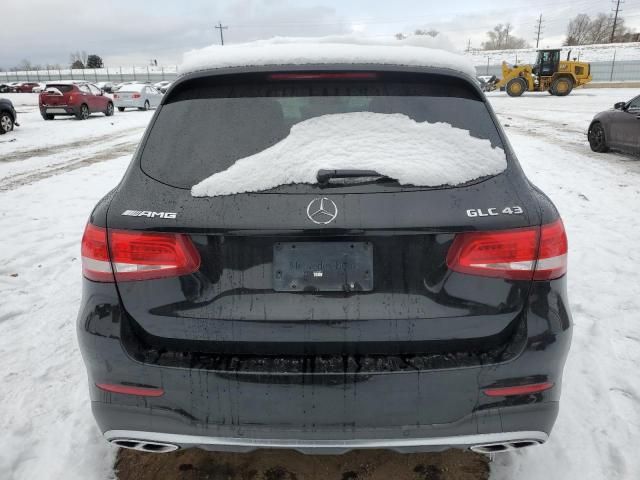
{"points": [[489, 448], [144, 446]]}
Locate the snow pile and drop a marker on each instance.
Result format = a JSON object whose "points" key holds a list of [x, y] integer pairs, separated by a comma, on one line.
{"points": [[394, 145], [584, 53], [422, 51]]}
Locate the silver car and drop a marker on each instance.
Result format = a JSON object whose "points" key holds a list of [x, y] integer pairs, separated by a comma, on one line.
{"points": [[137, 95]]}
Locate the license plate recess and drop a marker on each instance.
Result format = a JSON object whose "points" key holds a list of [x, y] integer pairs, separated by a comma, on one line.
{"points": [[322, 267]]}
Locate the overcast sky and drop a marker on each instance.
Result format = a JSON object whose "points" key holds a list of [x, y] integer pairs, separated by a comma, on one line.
{"points": [[126, 32]]}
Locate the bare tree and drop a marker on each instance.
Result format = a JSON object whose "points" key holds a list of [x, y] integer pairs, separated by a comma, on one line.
{"points": [[583, 30], [600, 29], [400, 36], [25, 64], [500, 38], [432, 32], [578, 30], [78, 57]]}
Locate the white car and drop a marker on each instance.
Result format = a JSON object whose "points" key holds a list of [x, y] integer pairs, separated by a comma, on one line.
{"points": [[137, 95], [162, 86]]}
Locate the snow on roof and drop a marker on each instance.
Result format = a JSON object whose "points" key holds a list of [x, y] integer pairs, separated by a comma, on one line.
{"points": [[394, 145], [423, 50]]}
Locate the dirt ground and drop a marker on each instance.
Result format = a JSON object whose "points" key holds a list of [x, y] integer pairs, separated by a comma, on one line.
{"points": [[196, 464]]}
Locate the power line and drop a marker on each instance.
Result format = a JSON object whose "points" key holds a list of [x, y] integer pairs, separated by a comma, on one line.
{"points": [[221, 28], [539, 31]]}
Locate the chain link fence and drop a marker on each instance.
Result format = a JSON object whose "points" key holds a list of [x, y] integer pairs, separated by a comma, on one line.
{"points": [[602, 71], [109, 74]]}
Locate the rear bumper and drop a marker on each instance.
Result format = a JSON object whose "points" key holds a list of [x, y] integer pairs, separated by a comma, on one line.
{"points": [[482, 442], [60, 110], [118, 103], [316, 411], [506, 428]]}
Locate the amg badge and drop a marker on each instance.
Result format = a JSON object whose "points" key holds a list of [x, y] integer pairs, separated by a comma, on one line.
{"points": [[149, 214]]}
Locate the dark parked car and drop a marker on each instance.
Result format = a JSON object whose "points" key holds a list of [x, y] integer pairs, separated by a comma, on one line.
{"points": [[4, 88], [106, 86], [350, 313], [617, 129], [8, 116], [79, 99]]}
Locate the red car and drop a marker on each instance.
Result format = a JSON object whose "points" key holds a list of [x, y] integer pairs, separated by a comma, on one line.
{"points": [[25, 87], [79, 99]]}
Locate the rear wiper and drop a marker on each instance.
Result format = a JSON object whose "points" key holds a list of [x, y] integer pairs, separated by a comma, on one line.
{"points": [[324, 176]]}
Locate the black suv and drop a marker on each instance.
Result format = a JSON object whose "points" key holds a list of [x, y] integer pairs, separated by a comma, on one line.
{"points": [[8, 116], [354, 312]]}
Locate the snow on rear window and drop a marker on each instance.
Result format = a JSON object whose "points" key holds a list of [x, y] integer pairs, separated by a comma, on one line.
{"points": [[394, 145], [59, 88]]}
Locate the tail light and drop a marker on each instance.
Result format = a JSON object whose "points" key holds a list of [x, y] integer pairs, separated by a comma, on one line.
{"points": [[131, 390], [518, 389], [129, 255], [536, 253], [135, 95], [95, 255]]}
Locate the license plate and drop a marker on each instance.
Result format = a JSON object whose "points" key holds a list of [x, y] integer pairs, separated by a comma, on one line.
{"points": [[323, 267], [56, 110]]}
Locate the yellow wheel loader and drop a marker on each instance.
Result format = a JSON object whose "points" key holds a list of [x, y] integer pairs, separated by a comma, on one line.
{"points": [[548, 74]]}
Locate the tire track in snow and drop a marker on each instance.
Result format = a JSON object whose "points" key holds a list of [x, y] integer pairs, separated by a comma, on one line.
{"points": [[14, 181], [57, 149]]}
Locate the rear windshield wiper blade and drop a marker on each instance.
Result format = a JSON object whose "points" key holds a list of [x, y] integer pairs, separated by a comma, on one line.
{"points": [[324, 176]]}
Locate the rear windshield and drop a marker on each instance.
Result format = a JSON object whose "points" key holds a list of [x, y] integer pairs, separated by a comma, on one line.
{"points": [[132, 88], [208, 124], [62, 87]]}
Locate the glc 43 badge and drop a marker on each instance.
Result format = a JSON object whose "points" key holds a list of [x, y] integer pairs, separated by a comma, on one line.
{"points": [[492, 212]]}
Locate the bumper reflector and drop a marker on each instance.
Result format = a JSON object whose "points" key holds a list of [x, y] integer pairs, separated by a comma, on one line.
{"points": [[517, 390], [129, 390]]}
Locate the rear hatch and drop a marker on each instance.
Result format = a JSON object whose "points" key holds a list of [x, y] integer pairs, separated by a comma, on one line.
{"points": [[356, 266], [56, 95], [128, 94]]}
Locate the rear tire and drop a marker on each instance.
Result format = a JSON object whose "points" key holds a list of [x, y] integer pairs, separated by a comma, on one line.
{"points": [[516, 87], [121, 109], [48, 116], [6, 123], [597, 138], [561, 86], [83, 113], [109, 111]]}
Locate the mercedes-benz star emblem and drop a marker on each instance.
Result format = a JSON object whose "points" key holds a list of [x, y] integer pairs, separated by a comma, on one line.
{"points": [[322, 211]]}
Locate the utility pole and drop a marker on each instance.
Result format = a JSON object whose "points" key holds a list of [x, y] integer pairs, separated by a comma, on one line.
{"points": [[615, 19], [468, 45], [221, 28], [538, 31]]}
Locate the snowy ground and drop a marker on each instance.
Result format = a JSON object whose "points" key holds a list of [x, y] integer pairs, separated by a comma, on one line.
{"points": [[40, 149], [52, 173]]}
